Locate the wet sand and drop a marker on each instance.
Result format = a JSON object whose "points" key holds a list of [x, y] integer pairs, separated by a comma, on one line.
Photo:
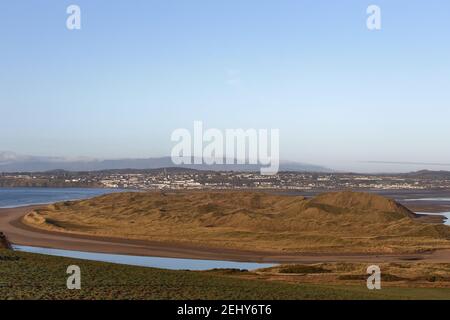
{"points": [[21, 234]]}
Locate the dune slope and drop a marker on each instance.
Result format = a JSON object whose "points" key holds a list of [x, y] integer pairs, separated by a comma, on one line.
{"points": [[333, 222]]}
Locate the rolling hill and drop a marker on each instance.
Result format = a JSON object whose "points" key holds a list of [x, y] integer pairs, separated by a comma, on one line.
{"points": [[332, 222]]}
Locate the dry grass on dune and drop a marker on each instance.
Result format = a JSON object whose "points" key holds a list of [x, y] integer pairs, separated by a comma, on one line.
{"points": [[406, 274], [332, 222]]}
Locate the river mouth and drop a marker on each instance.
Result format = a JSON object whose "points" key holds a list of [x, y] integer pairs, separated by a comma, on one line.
{"points": [[446, 216], [143, 261], [22, 197], [435, 201]]}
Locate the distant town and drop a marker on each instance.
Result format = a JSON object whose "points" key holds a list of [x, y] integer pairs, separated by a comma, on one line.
{"points": [[189, 179]]}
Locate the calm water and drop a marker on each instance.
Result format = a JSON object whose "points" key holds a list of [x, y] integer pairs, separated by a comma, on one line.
{"points": [[154, 262], [440, 200], [445, 214], [430, 199], [18, 197]]}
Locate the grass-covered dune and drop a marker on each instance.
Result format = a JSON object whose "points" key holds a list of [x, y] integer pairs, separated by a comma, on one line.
{"points": [[332, 222], [32, 276]]}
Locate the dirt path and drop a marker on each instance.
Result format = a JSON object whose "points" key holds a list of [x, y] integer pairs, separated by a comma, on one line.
{"points": [[20, 234]]}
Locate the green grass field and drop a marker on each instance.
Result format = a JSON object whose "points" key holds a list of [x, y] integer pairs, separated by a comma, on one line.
{"points": [[32, 276]]}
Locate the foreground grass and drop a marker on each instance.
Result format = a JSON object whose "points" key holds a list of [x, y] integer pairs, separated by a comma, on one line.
{"points": [[31, 276]]}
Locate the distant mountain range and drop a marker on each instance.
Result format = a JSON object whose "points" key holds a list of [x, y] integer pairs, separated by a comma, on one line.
{"points": [[12, 162], [428, 174]]}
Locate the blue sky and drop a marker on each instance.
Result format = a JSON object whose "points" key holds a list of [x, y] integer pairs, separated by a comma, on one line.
{"points": [[339, 93]]}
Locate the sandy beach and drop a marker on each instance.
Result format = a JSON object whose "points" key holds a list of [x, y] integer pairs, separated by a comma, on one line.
{"points": [[21, 234]]}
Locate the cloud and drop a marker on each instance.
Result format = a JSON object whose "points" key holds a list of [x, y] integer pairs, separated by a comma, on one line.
{"points": [[410, 163]]}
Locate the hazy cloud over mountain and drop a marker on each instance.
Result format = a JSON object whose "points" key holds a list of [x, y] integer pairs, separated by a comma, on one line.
{"points": [[12, 162]]}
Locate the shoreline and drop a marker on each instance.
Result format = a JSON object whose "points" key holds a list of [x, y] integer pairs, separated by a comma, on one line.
{"points": [[21, 234], [43, 203]]}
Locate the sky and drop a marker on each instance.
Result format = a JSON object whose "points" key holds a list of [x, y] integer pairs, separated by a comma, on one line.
{"points": [[342, 96]]}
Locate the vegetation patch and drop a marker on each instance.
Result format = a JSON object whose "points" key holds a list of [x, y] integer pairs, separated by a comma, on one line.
{"points": [[36, 276], [4, 243], [303, 269], [363, 277]]}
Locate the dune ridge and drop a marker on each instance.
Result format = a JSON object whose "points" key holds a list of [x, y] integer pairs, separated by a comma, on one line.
{"points": [[347, 222]]}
